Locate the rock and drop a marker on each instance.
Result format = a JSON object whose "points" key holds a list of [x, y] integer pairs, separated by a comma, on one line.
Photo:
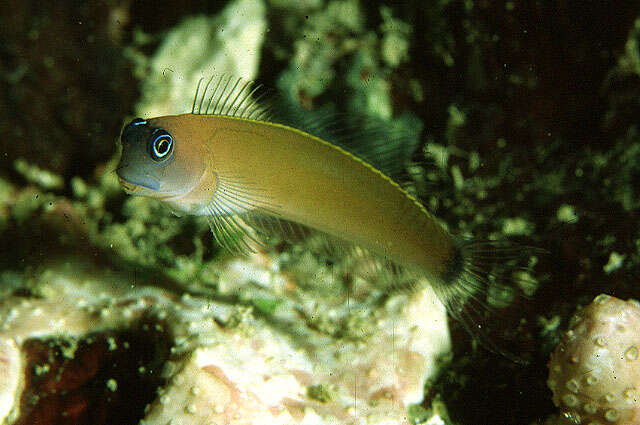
{"points": [[78, 343]]}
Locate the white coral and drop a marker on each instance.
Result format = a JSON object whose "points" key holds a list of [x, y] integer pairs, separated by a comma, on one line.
{"points": [[594, 372], [253, 373]]}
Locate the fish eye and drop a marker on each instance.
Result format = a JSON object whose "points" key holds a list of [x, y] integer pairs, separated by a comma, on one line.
{"points": [[161, 145]]}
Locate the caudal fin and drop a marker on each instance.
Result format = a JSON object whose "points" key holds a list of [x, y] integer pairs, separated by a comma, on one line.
{"points": [[484, 288]]}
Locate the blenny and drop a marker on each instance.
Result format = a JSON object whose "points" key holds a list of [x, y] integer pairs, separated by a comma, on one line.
{"points": [[253, 173]]}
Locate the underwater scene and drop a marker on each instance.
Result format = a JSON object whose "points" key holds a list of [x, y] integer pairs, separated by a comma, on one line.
{"points": [[313, 212]]}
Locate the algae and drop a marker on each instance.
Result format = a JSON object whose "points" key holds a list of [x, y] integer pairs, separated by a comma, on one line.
{"points": [[527, 137]]}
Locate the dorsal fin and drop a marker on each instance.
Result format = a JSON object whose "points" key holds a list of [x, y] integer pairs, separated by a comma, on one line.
{"points": [[385, 145], [246, 220]]}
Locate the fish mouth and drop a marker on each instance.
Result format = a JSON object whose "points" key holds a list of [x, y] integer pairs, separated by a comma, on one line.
{"points": [[138, 182], [130, 188]]}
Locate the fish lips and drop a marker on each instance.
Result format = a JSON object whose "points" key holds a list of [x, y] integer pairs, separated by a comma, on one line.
{"points": [[138, 184]]}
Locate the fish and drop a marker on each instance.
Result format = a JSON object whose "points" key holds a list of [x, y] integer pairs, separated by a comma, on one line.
{"points": [[237, 161]]}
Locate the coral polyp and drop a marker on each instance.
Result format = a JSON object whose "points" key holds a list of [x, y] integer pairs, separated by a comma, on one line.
{"points": [[594, 372]]}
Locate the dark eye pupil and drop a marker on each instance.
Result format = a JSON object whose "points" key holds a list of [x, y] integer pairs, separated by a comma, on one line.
{"points": [[162, 146]]}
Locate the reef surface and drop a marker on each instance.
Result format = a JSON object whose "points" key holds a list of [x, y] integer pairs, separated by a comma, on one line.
{"points": [[527, 113]]}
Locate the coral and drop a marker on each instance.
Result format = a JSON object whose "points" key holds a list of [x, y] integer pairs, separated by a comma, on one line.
{"points": [[74, 342], [327, 37], [531, 113], [321, 38], [43, 178], [594, 372], [201, 46]]}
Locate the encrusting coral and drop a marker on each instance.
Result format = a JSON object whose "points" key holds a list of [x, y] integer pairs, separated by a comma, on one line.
{"points": [[594, 372], [84, 343]]}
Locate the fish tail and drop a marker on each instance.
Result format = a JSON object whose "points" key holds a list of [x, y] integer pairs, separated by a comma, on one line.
{"points": [[481, 286]]}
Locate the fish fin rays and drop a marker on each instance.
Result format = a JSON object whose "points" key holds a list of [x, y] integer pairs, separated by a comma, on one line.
{"points": [[347, 257], [274, 228], [232, 97], [234, 201], [244, 225], [243, 219], [232, 233], [385, 145], [487, 292]]}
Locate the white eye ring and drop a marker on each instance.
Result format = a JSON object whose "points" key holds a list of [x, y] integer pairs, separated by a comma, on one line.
{"points": [[162, 146]]}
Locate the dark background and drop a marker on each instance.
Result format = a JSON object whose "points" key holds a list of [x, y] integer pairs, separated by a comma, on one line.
{"points": [[544, 76]]}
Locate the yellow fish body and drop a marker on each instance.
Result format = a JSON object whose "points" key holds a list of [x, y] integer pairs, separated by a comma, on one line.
{"points": [[241, 169]]}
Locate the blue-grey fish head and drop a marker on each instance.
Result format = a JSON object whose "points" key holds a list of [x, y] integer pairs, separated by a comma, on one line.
{"points": [[147, 155]]}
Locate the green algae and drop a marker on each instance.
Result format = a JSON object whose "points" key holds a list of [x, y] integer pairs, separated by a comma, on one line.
{"points": [[34, 174], [395, 39], [436, 414], [417, 414], [320, 393], [495, 173]]}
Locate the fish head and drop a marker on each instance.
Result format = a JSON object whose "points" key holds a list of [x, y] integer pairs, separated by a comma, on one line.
{"points": [[155, 163]]}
